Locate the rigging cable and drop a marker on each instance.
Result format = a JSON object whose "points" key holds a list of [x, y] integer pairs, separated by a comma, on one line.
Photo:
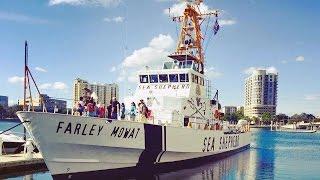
{"points": [[205, 32], [210, 36]]}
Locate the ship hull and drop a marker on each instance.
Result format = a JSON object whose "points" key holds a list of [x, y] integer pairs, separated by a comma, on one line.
{"points": [[82, 147]]}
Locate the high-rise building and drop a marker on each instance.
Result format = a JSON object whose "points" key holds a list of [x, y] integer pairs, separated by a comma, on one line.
{"points": [[4, 101], [261, 89], [104, 92]]}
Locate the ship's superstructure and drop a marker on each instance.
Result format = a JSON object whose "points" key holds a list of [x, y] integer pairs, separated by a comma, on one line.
{"points": [[183, 126], [177, 94]]}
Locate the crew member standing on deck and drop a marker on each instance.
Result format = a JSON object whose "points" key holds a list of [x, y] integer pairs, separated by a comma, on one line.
{"points": [[143, 111], [133, 111], [102, 111], [109, 110], [80, 107], [122, 111], [115, 108]]}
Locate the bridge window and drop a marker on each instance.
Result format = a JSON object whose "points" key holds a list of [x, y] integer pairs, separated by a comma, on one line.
{"points": [[196, 79], [144, 79], [173, 77], [154, 78], [184, 77], [163, 78], [201, 81], [167, 65]]}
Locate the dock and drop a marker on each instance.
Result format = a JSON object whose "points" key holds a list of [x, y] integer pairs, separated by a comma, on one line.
{"points": [[16, 164]]}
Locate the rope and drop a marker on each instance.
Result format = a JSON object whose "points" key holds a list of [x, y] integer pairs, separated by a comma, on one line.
{"points": [[13, 127], [208, 42], [205, 33]]}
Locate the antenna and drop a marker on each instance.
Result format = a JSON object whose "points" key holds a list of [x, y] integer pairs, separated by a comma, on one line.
{"points": [[189, 46]]}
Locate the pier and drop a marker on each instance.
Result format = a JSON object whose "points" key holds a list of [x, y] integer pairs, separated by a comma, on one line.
{"points": [[17, 164]]}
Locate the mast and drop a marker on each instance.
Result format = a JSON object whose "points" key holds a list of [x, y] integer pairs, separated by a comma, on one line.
{"points": [[25, 75], [190, 41]]}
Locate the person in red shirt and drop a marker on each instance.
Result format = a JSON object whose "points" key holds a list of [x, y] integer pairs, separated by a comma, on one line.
{"points": [[102, 111]]}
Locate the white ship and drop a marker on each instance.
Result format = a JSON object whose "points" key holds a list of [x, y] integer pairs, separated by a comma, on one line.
{"points": [[183, 130]]}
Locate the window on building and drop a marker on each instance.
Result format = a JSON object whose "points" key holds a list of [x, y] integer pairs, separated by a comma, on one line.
{"points": [[154, 78], [173, 77], [144, 79], [184, 77], [163, 78]]}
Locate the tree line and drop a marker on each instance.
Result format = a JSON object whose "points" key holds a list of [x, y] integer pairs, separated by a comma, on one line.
{"points": [[266, 118], [10, 111]]}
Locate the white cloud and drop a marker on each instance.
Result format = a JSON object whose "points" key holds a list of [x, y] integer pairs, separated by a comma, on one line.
{"points": [[133, 77], [117, 19], [312, 97], [284, 62], [6, 16], [59, 86], [45, 86], [113, 69], [104, 3], [211, 73], [162, 42], [144, 56], [54, 86], [300, 58], [270, 69], [15, 79], [178, 8], [226, 22], [40, 69], [154, 54]]}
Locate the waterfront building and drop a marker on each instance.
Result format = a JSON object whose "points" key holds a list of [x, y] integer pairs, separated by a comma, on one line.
{"points": [[104, 92], [228, 110], [49, 103], [240, 109], [4, 101], [261, 89]]}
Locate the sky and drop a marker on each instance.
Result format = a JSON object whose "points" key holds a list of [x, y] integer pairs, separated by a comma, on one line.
{"points": [[107, 41]]}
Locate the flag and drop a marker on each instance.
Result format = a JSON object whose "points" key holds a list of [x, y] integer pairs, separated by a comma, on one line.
{"points": [[216, 27]]}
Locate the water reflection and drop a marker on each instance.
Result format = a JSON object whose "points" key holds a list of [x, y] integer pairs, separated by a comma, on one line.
{"points": [[258, 162], [233, 167], [273, 155]]}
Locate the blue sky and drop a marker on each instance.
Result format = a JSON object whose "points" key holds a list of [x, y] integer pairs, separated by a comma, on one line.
{"points": [[108, 40]]}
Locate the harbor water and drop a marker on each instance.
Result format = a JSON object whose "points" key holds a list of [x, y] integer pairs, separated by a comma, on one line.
{"points": [[273, 155]]}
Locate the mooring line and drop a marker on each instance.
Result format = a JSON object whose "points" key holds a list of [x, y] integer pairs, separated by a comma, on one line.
{"points": [[13, 127]]}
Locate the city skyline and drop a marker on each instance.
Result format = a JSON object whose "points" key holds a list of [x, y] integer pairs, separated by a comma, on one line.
{"points": [[69, 39]]}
